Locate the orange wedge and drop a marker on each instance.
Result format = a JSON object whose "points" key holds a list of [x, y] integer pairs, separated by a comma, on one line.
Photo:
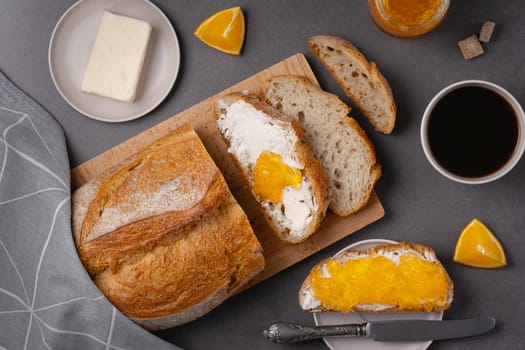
{"points": [[478, 247], [223, 31]]}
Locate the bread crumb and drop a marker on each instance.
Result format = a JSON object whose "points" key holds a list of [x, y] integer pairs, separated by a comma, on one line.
{"points": [[470, 47], [486, 31]]}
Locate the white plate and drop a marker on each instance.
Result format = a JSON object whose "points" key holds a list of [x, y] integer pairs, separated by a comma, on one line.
{"points": [[71, 44], [345, 343]]}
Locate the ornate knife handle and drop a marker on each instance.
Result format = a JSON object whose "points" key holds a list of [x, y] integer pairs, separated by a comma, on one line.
{"points": [[284, 332]]}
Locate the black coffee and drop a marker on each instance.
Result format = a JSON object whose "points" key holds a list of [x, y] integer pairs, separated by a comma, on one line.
{"points": [[472, 131]]}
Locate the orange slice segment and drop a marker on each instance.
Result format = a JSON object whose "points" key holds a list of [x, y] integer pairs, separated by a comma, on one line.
{"points": [[223, 31], [478, 247]]}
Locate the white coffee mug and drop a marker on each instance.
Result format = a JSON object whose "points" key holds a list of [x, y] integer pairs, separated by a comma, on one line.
{"points": [[518, 149]]}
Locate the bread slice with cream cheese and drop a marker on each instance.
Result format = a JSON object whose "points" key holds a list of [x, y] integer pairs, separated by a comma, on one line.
{"points": [[289, 184], [337, 140], [387, 278]]}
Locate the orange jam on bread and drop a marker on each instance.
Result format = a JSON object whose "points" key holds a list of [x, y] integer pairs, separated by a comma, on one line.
{"points": [[377, 281], [407, 18], [271, 176]]}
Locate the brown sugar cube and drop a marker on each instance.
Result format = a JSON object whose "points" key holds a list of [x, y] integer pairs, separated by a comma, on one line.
{"points": [[470, 47], [486, 31]]}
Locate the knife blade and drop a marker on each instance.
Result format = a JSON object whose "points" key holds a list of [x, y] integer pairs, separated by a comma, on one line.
{"points": [[395, 330]]}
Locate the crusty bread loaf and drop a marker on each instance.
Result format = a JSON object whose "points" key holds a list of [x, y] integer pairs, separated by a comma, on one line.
{"points": [[162, 236], [423, 286], [360, 79], [250, 128], [337, 140]]}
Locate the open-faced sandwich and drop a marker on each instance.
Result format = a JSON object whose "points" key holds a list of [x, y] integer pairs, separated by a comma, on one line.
{"points": [[289, 184], [396, 277]]}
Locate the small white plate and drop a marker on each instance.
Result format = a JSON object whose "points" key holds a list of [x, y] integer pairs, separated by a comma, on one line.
{"points": [[344, 343], [70, 47]]}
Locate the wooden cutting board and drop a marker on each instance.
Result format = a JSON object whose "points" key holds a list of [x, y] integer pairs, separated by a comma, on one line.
{"points": [[278, 255]]}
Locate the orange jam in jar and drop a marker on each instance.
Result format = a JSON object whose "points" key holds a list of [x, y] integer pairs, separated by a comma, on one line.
{"points": [[407, 18]]}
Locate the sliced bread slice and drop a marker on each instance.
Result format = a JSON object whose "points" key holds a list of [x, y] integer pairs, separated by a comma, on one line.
{"points": [[289, 184], [337, 140], [360, 79], [387, 278]]}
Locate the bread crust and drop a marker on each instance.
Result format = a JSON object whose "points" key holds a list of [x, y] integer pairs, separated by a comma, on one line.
{"points": [[349, 49], [375, 171], [312, 170], [168, 264], [403, 248]]}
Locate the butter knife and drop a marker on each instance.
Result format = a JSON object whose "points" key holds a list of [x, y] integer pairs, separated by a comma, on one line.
{"points": [[400, 330]]}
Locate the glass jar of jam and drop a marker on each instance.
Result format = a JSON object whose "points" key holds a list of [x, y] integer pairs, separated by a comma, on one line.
{"points": [[407, 18]]}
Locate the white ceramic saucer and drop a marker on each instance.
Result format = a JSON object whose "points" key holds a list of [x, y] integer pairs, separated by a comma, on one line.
{"points": [[71, 44]]}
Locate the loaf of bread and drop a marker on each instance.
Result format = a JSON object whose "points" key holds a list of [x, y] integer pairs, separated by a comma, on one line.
{"points": [[360, 79], [337, 140], [162, 236], [289, 184], [396, 277]]}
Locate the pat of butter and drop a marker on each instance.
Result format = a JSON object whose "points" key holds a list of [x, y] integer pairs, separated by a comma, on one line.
{"points": [[117, 57]]}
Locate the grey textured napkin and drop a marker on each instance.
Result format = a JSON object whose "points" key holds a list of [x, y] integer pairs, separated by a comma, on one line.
{"points": [[47, 300]]}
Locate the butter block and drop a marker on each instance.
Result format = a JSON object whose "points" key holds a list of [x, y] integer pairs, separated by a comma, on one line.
{"points": [[116, 60]]}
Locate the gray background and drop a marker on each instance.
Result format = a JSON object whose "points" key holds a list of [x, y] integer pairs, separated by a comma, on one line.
{"points": [[421, 205]]}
